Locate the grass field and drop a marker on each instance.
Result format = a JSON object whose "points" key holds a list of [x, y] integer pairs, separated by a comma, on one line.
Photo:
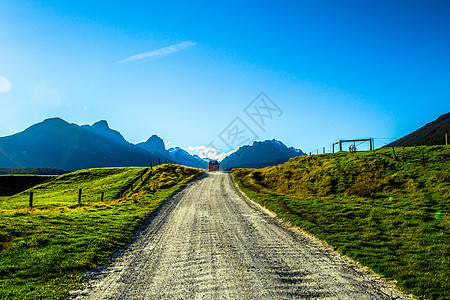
{"points": [[47, 249], [389, 212]]}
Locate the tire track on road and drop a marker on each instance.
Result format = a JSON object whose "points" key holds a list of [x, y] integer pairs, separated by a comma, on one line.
{"points": [[210, 242]]}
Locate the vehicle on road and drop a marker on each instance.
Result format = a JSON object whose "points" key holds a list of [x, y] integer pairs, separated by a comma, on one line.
{"points": [[213, 165]]}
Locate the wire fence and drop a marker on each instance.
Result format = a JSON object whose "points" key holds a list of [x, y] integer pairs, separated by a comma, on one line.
{"points": [[376, 143]]}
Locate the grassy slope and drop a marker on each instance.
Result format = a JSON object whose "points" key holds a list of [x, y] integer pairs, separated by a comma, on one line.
{"points": [[391, 214], [46, 250]]}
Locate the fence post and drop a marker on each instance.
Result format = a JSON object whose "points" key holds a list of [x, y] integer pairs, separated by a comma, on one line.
{"points": [[159, 161], [446, 139], [79, 196], [31, 199], [101, 197], [165, 161], [395, 156], [151, 166], [323, 150]]}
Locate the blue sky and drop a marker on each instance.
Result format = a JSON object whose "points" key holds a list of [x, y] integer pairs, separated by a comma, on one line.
{"points": [[186, 70]]}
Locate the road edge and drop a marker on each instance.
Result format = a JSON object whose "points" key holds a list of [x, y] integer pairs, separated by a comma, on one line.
{"points": [[301, 233], [97, 272]]}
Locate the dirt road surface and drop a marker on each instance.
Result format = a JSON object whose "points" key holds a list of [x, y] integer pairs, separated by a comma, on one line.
{"points": [[211, 242]]}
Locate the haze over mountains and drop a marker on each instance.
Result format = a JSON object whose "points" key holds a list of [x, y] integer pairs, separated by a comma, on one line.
{"points": [[57, 144]]}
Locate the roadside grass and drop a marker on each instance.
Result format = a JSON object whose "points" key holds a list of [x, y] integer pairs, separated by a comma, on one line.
{"points": [[45, 251], [63, 189], [391, 213]]}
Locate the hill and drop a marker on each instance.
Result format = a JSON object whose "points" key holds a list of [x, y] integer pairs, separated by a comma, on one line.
{"points": [[54, 143], [46, 250], [431, 134], [259, 155], [389, 212]]}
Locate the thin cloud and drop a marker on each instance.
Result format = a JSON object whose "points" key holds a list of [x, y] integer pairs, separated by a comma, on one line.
{"points": [[144, 57]]}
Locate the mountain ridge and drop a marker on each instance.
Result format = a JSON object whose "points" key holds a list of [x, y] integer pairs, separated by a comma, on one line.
{"points": [[260, 154], [433, 133], [57, 144]]}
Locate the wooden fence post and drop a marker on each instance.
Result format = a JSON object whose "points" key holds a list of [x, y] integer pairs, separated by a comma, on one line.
{"points": [[323, 150], [31, 199], [101, 197], [446, 139], [159, 161], [395, 156], [79, 196]]}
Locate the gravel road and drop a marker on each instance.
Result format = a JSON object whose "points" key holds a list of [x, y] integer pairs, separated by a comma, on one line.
{"points": [[210, 242]]}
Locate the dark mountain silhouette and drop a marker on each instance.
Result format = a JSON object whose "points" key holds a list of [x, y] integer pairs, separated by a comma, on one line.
{"points": [[179, 155], [54, 143], [57, 144], [102, 128], [431, 134], [259, 155], [155, 146]]}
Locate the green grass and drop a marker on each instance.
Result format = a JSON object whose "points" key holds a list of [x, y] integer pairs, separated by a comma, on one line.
{"points": [[389, 213], [46, 250], [63, 189]]}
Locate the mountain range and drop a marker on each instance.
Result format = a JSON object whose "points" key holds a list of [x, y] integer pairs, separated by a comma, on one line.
{"points": [[54, 143], [431, 134], [57, 144], [260, 155]]}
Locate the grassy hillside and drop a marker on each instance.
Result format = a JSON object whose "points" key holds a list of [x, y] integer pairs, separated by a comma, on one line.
{"points": [[63, 190], [388, 211], [47, 249]]}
